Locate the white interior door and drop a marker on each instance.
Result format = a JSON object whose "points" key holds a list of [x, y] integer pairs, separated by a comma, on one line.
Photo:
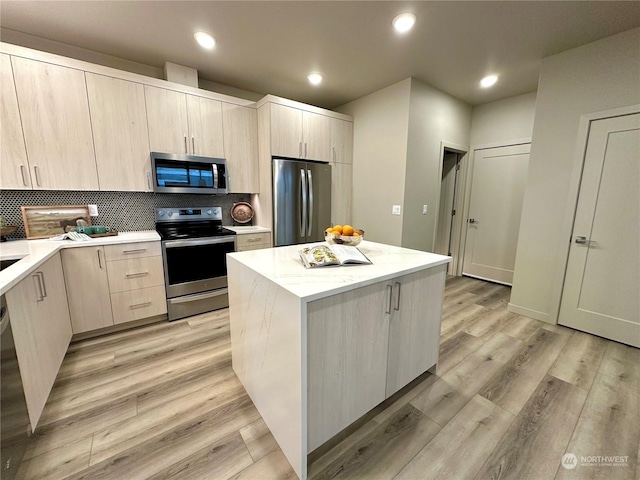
{"points": [[497, 190], [602, 283]]}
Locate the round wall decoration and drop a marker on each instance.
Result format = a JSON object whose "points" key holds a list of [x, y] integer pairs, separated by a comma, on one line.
{"points": [[242, 212]]}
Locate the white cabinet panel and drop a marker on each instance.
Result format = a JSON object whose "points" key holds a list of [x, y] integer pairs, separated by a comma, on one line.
{"points": [[167, 120], [241, 148], [205, 127]]}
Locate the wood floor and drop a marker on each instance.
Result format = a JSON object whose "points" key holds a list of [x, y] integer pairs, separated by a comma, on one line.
{"points": [[511, 396]]}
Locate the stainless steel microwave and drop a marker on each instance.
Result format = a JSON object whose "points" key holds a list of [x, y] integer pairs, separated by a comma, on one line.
{"points": [[174, 173]]}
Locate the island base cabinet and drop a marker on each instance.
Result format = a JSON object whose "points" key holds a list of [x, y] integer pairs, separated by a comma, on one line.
{"points": [[414, 327], [347, 338], [41, 331]]}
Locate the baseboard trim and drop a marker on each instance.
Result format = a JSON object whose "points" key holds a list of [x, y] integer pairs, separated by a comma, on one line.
{"points": [[527, 312], [487, 279]]}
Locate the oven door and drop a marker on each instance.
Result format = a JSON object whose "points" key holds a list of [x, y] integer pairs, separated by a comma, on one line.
{"points": [[196, 265]]}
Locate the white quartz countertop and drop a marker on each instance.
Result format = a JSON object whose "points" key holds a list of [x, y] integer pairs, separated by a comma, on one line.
{"points": [[33, 253], [283, 266], [248, 229]]}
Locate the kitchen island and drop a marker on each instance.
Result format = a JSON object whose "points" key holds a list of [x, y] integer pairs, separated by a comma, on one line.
{"points": [[317, 349]]}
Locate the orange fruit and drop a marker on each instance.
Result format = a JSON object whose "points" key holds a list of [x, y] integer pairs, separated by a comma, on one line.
{"points": [[348, 230], [329, 230], [337, 229], [356, 234]]}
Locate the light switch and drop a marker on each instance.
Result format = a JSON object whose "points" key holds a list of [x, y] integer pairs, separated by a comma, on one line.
{"points": [[424, 209], [93, 210], [395, 210]]}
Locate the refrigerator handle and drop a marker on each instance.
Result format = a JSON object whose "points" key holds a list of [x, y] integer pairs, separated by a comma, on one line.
{"points": [[303, 220], [309, 232]]}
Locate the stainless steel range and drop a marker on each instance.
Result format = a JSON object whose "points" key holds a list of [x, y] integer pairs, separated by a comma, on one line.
{"points": [[194, 252]]}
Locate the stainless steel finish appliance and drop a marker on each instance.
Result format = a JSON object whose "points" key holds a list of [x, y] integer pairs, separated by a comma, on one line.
{"points": [[188, 174], [14, 421], [301, 201], [194, 252]]}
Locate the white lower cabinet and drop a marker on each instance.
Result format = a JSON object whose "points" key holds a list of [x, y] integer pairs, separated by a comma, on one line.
{"points": [[41, 331], [85, 275], [366, 344], [114, 284]]}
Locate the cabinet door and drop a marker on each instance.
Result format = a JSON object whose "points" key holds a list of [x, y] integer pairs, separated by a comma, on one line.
{"points": [[341, 141], [85, 276], [41, 331], [316, 134], [286, 131], [347, 340], [57, 129], [205, 127], [414, 332], [167, 120], [341, 193], [119, 122], [14, 169], [241, 147]]}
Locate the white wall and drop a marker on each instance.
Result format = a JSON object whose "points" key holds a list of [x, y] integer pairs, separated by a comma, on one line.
{"points": [[599, 76], [434, 117], [380, 130], [503, 121]]}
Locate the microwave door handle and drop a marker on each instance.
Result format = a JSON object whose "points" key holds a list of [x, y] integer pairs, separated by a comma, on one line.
{"points": [[303, 193], [215, 175], [310, 178]]}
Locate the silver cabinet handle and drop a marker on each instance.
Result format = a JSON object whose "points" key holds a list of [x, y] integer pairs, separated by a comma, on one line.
{"points": [[186, 148], [44, 284], [137, 250], [252, 240], [149, 180], [193, 145], [99, 259], [390, 292], [299, 149], [310, 178], [333, 151], [397, 307], [36, 170], [139, 305], [38, 286], [305, 149], [135, 275], [24, 177]]}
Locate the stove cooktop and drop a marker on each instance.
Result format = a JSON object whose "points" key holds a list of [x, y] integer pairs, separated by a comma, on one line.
{"points": [[191, 222]]}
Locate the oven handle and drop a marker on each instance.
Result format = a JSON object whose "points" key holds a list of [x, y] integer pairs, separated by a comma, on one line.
{"points": [[198, 296], [198, 241]]}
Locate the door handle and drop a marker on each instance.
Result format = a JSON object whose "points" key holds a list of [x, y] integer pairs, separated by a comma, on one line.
{"points": [[193, 145], [24, 178], [581, 240], [397, 307], [299, 149], [36, 170], [310, 181], [99, 259], [38, 286], [473, 220], [186, 148], [43, 283], [390, 292], [303, 220], [305, 149]]}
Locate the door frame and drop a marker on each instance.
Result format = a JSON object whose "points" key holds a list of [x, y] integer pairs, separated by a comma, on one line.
{"points": [[456, 262], [572, 200], [467, 188]]}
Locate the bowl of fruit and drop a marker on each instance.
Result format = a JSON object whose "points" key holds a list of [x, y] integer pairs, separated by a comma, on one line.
{"points": [[343, 235]]}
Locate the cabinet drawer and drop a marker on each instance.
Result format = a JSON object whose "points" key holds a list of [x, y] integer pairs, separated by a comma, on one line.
{"points": [[252, 246], [135, 273], [138, 304], [132, 250], [245, 241]]}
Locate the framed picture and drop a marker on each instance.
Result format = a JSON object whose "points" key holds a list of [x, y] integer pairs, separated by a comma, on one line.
{"points": [[50, 220]]}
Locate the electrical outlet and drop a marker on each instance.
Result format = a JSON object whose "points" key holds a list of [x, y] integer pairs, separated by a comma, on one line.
{"points": [[93, 210], [395, 210], [424, 209]]}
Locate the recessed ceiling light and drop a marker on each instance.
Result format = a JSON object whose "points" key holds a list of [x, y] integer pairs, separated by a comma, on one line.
{"points": [[205, 40], [314, 78], [489, 81], [404, 22]]}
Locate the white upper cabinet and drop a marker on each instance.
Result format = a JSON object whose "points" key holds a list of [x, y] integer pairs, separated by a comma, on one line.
{"points": [[299, 134], [121, 141], [205, 127], [181, 123], [14, 168], [167, 120], [241, 147], [56, 125], [341, 141]]}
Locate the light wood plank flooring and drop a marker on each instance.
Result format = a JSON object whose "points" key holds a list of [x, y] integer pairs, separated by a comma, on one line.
{"points": [[511, 396]]}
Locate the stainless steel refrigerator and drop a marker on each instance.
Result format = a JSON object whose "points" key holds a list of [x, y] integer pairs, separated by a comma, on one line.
{"points": [[301, 201]]}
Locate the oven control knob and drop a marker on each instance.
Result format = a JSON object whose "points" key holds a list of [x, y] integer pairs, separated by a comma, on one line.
{"points": [[170, 213], [161, 213], [209, 212]]}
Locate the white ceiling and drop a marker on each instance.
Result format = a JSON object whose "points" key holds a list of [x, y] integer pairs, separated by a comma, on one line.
{"points": [[270, 46]]}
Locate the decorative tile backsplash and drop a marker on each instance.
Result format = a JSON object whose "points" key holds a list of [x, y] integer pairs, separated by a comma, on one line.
{"points": [[124, 211]]}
